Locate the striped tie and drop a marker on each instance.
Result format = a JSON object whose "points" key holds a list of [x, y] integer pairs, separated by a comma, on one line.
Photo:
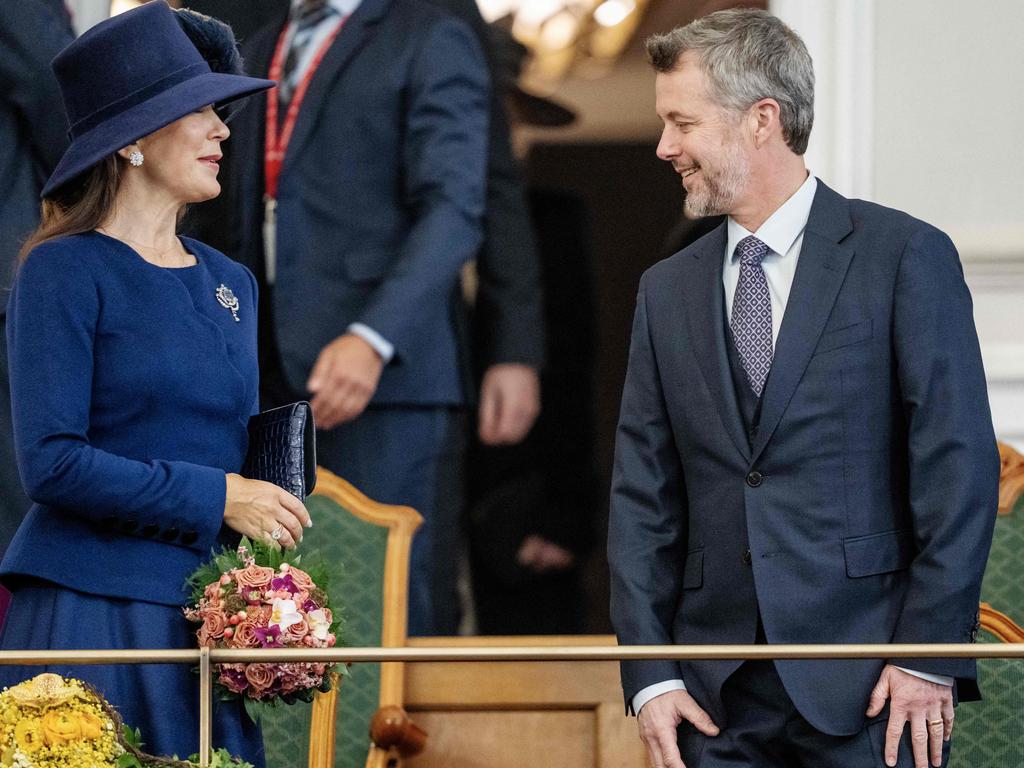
{"points": [[306, 16]]}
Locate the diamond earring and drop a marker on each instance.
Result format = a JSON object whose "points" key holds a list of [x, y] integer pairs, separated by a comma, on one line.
{"points": [[136, 158]]}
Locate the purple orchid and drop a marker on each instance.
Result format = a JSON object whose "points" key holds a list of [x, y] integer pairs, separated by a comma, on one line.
{"points": [[284, 582], [269, 637]]}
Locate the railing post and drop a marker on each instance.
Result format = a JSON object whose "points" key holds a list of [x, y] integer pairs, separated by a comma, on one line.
{"points": [[205, 706]]}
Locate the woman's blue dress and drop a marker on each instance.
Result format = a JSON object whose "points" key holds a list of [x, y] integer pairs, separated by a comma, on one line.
{"points": [[131, 387]]}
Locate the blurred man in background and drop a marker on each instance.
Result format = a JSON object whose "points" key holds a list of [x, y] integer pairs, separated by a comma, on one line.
{"points": [[33, 136]]}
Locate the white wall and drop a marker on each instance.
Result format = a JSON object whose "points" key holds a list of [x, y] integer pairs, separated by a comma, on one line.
{"points": [[940, 82], [948, 147]]}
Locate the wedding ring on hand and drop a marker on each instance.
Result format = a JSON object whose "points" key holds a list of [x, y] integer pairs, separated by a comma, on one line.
{"points": [[933, 723], [279, 531]]}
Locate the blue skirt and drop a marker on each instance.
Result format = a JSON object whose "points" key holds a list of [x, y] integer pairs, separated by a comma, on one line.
{"points": [[161, 700]]}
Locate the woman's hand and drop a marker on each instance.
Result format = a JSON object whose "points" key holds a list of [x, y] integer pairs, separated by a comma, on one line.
{"points": [[257, 509]]}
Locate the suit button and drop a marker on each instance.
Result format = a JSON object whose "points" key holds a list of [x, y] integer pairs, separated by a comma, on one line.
{"points": [[189, 537], [754, 479], [747, 558], [149, 530], [169, 534], [129, 525]]}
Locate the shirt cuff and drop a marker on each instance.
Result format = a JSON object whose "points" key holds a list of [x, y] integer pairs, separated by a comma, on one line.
{"points": [[937, 679], [651, 691], [383, 347]]}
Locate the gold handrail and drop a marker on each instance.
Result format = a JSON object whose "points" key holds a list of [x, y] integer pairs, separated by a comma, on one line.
{"points": [[207, 657], [527, 653]]}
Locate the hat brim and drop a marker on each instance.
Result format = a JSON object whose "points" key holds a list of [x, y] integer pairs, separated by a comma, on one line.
{"points": [[151, 115], [536, 110]]}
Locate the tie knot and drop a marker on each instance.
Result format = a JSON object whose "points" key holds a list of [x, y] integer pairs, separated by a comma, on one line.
{"points": [[751, 250], [307, 13]]}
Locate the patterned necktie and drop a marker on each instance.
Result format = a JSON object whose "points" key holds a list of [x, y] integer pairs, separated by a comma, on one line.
{"points": [[306, 16], [752, 314]]}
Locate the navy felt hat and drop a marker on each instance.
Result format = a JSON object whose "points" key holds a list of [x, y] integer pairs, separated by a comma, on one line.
{"points": [[130, 76]]}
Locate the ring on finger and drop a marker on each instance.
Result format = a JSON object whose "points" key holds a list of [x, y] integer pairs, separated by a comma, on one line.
{"points": [[278, 532], [936, 723]]}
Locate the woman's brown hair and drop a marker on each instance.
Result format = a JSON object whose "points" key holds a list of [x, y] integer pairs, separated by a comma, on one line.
{"points": [[82, 207]]}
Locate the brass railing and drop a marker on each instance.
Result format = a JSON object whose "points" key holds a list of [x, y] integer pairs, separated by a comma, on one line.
{"points": [[206, 658]]}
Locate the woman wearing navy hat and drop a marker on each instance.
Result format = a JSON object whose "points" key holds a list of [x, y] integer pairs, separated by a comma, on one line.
{"points": [[133, 374]]}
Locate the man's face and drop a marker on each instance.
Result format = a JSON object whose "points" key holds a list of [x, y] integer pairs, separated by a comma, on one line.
{"points": [[702, 140]]}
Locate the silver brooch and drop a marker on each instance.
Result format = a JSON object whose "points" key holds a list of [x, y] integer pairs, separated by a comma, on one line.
{"points": [[228, 300]]}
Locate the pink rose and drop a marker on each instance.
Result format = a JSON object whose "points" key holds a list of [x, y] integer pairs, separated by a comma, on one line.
{"points": [[253, 577], [214, 623], [213, 591], [260, 676], [245, 635], [295, 632]]}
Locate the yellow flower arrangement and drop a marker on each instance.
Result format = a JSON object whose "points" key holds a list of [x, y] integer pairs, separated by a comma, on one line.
{"points": [[53, 722], [49, 721]]}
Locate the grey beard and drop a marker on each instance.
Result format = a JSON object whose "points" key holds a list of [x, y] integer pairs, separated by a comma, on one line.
{"points": [[719, 192]]}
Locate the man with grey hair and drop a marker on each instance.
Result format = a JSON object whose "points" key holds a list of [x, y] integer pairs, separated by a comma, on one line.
{"points": [[805, 451]]}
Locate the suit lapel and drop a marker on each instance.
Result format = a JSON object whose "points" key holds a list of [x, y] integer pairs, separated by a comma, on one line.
{"points": [[707, 332], [352, 37], [819, 276]]}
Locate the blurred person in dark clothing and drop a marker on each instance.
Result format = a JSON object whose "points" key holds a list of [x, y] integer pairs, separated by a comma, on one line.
{"points": [[32, 139], [356, 198], [532, 494], [532, 505]]}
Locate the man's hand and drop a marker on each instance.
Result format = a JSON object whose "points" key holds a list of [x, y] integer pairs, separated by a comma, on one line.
{"points": [[509, 403], [540, 555], [658, 720], [343, 380], [928, 707]]}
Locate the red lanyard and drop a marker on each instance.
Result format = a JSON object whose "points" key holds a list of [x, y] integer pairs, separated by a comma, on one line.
{"points": [[276, 144]]}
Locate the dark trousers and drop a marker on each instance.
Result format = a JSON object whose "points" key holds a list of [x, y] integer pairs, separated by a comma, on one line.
{"points": [[14, 503], [764, 730]]}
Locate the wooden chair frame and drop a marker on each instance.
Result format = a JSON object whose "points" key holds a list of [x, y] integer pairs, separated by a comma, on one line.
{"points": [[1000, 625], [401, 523]]}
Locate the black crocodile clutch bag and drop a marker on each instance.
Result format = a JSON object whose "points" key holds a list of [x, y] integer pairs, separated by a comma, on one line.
{"points": [[282, 448]]}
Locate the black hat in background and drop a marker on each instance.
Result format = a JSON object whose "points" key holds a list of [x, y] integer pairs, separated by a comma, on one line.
{"points": [[508, 55]]}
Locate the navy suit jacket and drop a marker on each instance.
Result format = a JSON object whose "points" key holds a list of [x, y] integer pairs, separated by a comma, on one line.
{"points": [[381, 195], [33, 128], [867, 496]]}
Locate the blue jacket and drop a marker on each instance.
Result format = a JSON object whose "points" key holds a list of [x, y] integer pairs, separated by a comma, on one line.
{"points": [[862, 509], [381, 195], [131, 387]]}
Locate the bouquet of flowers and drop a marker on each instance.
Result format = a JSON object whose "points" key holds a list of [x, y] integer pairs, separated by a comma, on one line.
{"points": [[257, 596], [55, 722]]}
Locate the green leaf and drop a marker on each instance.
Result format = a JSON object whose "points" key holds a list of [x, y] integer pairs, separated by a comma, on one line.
{"points": [[131, 736], [253, 709]]}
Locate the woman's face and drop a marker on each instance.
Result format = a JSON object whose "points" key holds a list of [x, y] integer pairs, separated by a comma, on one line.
{"points": [[182, 158]]}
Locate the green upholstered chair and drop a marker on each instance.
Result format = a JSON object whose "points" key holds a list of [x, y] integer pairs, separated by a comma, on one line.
{"points": [[371, 543], [990, 733]]}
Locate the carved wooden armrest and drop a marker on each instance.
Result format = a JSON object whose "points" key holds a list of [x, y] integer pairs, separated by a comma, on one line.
{"points": [[392, 728], [1011, 478], [1000, 625]]}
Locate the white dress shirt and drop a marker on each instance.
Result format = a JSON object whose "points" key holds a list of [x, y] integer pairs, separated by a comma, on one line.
{"points": [[783, 233], [323, 31]]}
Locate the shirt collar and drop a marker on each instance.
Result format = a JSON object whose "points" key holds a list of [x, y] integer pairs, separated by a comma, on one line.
{"points": [[343, 7], [783, 227]]}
